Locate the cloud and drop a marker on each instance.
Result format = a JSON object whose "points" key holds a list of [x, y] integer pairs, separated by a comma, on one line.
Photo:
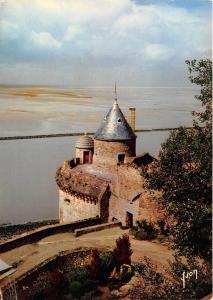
{"points": [[72, 32], [158, 52], [44, 40], [100, 36], [8, 31]]}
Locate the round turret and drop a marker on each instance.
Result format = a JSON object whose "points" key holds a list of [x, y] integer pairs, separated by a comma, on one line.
{"points": [[115, 140], [84, 142], [84, 149]]}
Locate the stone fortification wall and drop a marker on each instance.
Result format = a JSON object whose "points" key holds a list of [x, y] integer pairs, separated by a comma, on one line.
{"points": [[41, 233], [105, 152], [73, 208], [125, 193], [99, 227]]}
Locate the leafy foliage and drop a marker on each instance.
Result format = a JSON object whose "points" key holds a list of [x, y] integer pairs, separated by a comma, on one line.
{"points": [[164, 230], [122, 252], [95, 264], [76, 288], [145, 230], [80, 273], [155, 285], [125, 272], [201, 74], [107, 266], [183, 174]]}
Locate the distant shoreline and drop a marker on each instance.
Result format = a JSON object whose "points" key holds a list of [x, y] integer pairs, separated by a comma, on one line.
{"points": [[40, 91]]}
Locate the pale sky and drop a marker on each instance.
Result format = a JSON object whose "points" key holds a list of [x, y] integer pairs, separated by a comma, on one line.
{"points": [[97, 42]]}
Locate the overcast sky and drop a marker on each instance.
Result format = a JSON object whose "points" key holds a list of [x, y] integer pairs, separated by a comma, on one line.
{"points": [[95, 42]]}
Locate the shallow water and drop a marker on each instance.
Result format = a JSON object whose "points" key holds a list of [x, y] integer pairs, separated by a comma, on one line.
{"points": [[27, 187]]}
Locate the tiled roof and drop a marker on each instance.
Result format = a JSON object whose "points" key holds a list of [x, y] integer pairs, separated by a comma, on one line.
{"points": [[74, 181]]}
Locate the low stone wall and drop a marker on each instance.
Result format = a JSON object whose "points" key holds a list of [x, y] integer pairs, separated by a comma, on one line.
{"points": [[42, 233], [81, 231], [64, 261]]}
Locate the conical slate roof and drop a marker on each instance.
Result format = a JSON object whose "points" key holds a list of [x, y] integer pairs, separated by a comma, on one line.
{"points": [[114, 126]]}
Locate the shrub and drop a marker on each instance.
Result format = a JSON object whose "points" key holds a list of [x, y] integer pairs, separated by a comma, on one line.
{"points": [[122, 252], [163, 229], [107, 266], [78, 274], [95, 264], [141, 235], [125, 272], [89, 285], [161, 238], [145, 230], [75, 288], [155, 285]]}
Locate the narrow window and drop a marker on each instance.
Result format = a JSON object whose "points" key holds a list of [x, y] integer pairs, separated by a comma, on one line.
{"points": [[121, 158]]}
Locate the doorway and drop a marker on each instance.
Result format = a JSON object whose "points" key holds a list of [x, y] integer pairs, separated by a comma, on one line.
{"points": [[129, 220], [86, 158]]}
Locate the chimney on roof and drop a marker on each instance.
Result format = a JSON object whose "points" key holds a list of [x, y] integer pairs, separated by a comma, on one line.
{"points": [[132, 117]]}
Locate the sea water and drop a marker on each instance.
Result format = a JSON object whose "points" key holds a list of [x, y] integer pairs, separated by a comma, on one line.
{"points": [[28, 190]]}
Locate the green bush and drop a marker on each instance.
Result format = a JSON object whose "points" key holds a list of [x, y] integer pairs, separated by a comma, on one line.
{"points": [[141, 235], [78, 274], [161, 238], [163, 229], [155, 285], [89, 285], [75, 288], [107, 265], [145, 230], [126, 272]]}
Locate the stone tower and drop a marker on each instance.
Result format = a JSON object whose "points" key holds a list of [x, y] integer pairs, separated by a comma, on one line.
{"points": [[114, 141]]}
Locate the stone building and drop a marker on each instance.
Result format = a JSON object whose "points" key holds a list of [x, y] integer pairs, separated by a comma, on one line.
{"points": [[105, 177]]}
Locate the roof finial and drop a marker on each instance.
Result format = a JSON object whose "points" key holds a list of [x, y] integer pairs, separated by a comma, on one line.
{"points": [[116, 93]]}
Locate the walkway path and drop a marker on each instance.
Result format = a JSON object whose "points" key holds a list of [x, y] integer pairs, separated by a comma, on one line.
{"points": [[28, 256]]}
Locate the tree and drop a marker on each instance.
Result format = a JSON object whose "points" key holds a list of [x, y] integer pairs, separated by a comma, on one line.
{"points": [[183, 173], [122, 252]]}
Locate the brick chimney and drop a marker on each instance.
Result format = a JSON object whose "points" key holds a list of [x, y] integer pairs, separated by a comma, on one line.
{"points": [[132, 117]]}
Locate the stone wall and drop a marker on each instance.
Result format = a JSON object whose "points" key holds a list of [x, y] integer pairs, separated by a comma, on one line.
{"points": [[99, 227], [79, 153], [105, 152], [40, 233], [72, 208], [33, 281], [125, 193]]}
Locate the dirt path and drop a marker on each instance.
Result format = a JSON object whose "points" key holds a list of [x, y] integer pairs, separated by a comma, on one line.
{"points": [[28, 256]]}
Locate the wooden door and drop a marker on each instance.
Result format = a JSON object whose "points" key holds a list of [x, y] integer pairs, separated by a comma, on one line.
{"points": [[129, 220], [86, 157]]}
